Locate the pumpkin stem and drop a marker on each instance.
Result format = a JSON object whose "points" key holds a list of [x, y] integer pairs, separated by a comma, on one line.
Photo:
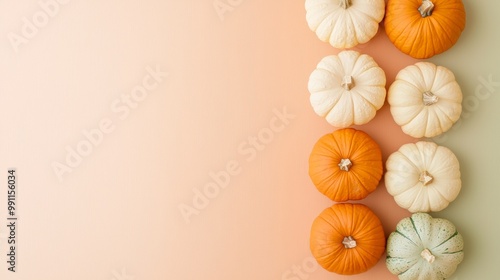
{"points": [[426, 8], [349, 242], [429, 98], [345, 164], [427, 255], [345, 4], [347, 82], [425, 178]]}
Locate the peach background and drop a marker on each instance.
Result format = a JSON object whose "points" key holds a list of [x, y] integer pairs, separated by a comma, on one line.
{"points": [[117, 213]]}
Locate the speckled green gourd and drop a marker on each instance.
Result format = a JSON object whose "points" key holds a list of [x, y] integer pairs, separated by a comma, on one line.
{"points": [[423, 247]]}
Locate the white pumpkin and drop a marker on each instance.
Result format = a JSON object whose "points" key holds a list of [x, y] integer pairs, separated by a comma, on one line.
{"points": [[347, 88], [344, 23], [423, 247], [423, 177], [425, 99]]}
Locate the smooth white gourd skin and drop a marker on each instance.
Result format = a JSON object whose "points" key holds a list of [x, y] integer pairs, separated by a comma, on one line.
{"points": [[407, 106], [343, 107], [404, 168], [417, 233], [344, 28]]}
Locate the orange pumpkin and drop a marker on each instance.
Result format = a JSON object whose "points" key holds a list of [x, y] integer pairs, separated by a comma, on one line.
{"points": [[346, 165], [424, 28], [347, 239]]}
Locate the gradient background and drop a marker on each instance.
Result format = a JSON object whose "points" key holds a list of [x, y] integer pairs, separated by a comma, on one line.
{"points": [[116, 215]]}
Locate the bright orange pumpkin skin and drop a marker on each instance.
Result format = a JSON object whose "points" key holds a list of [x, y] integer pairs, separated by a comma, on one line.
{"points": [[342, 220], [424, 37], [363, 176]]}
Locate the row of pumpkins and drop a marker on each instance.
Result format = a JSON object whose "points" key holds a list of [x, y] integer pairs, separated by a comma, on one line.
{"points": [[425, 100]]}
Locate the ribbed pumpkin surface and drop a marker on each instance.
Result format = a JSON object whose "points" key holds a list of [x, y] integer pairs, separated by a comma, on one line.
{"points": [[424, 37], [342, 222], [334, 149]]}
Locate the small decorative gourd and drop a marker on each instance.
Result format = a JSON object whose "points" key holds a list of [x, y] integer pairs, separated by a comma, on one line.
{"points": [[346, 165], [347, 89], [423, 247], [347, 239], [425, 99], [423, 177], [424, 28], [344, 23]]}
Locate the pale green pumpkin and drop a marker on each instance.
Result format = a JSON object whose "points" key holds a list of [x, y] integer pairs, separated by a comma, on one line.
{"points": [[424, 248]]}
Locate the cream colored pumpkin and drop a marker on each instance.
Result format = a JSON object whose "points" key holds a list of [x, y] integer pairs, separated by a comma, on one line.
{"points": [[424, 248], [425, 99], [347, 88], [344, 23], [423, 177]]}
